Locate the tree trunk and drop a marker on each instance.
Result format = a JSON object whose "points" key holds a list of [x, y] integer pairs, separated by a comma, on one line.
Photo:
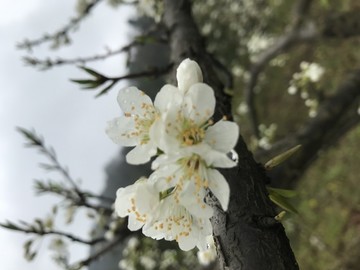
{"points": [[247, 235]]}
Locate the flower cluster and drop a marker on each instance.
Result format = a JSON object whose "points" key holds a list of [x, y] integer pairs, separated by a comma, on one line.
{"points": [[306, 81], [178, 130]]}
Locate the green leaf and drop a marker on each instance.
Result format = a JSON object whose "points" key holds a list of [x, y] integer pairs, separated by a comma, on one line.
{"points": [[89, 84], [283, 203], [11, 226], [92, 72], [82, 81], [106, 89], [287, 193], [281, 158], [280, 216], [166, 193]]}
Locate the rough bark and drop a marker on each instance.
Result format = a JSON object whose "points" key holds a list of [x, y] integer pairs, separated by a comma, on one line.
{"points": [[336, 116], [247, 235]]}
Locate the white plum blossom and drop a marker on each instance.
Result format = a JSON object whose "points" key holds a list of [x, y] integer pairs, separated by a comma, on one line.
{"points": [[192, 177], [136, 201], [159, 215], [172, 221], [133, 128], [193, 145], [186, 128], [179, 130]]}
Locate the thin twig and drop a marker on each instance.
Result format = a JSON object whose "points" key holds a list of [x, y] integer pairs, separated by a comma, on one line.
{"points": [[99, 208], [63, 32], [81, 198], [67, 235], [98, 197], [37, 141], [100, 80], [47, 63], [77, 199], [100, 252]]}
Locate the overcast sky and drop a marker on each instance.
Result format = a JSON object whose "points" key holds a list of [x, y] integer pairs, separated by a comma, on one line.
{"points": [[70, 120]]}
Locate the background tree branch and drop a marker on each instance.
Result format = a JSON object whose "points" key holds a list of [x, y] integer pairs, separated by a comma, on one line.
{"points": [[335, 117], [300, 31]]}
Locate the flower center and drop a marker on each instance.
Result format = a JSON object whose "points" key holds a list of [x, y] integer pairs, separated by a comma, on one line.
{"points": [[193, 135], [142, 127]]}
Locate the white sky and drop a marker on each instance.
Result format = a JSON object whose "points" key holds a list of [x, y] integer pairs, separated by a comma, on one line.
{"points": [[72, 121]]}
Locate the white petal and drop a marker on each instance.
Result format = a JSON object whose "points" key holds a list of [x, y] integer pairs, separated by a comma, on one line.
{"points": [[222, 136], [157, 133], [122, 202], [199, 103], [141, 154], [186, 243], [134, 101], [219, 187], [212, 157], [219, 160], [150, 231], [193, 200], [168, 95], [187, 74], [164, 131], [120, 131], [147, 198], [134, 224]]}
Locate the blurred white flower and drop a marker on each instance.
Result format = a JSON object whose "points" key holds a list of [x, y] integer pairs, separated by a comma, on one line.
{"points": [[109, 235], [147, 262], [304, 95], [292, 90], [207, 256], [242, 109], [313, 71], [258, 43], [133, 242]]}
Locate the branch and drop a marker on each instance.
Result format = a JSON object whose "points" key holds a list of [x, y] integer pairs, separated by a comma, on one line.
{"points": [[62, 35], [45, 64], [34, 140], [100, 79], [335, 117], [121, 235], [76, 199], [243, 241], [343, 25], [75, 195], [100, 252], [301, 8], [40, 230]]}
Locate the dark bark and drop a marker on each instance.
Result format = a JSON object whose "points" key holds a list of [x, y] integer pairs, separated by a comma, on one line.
{"points": [[336, 116], [247, 235]]}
